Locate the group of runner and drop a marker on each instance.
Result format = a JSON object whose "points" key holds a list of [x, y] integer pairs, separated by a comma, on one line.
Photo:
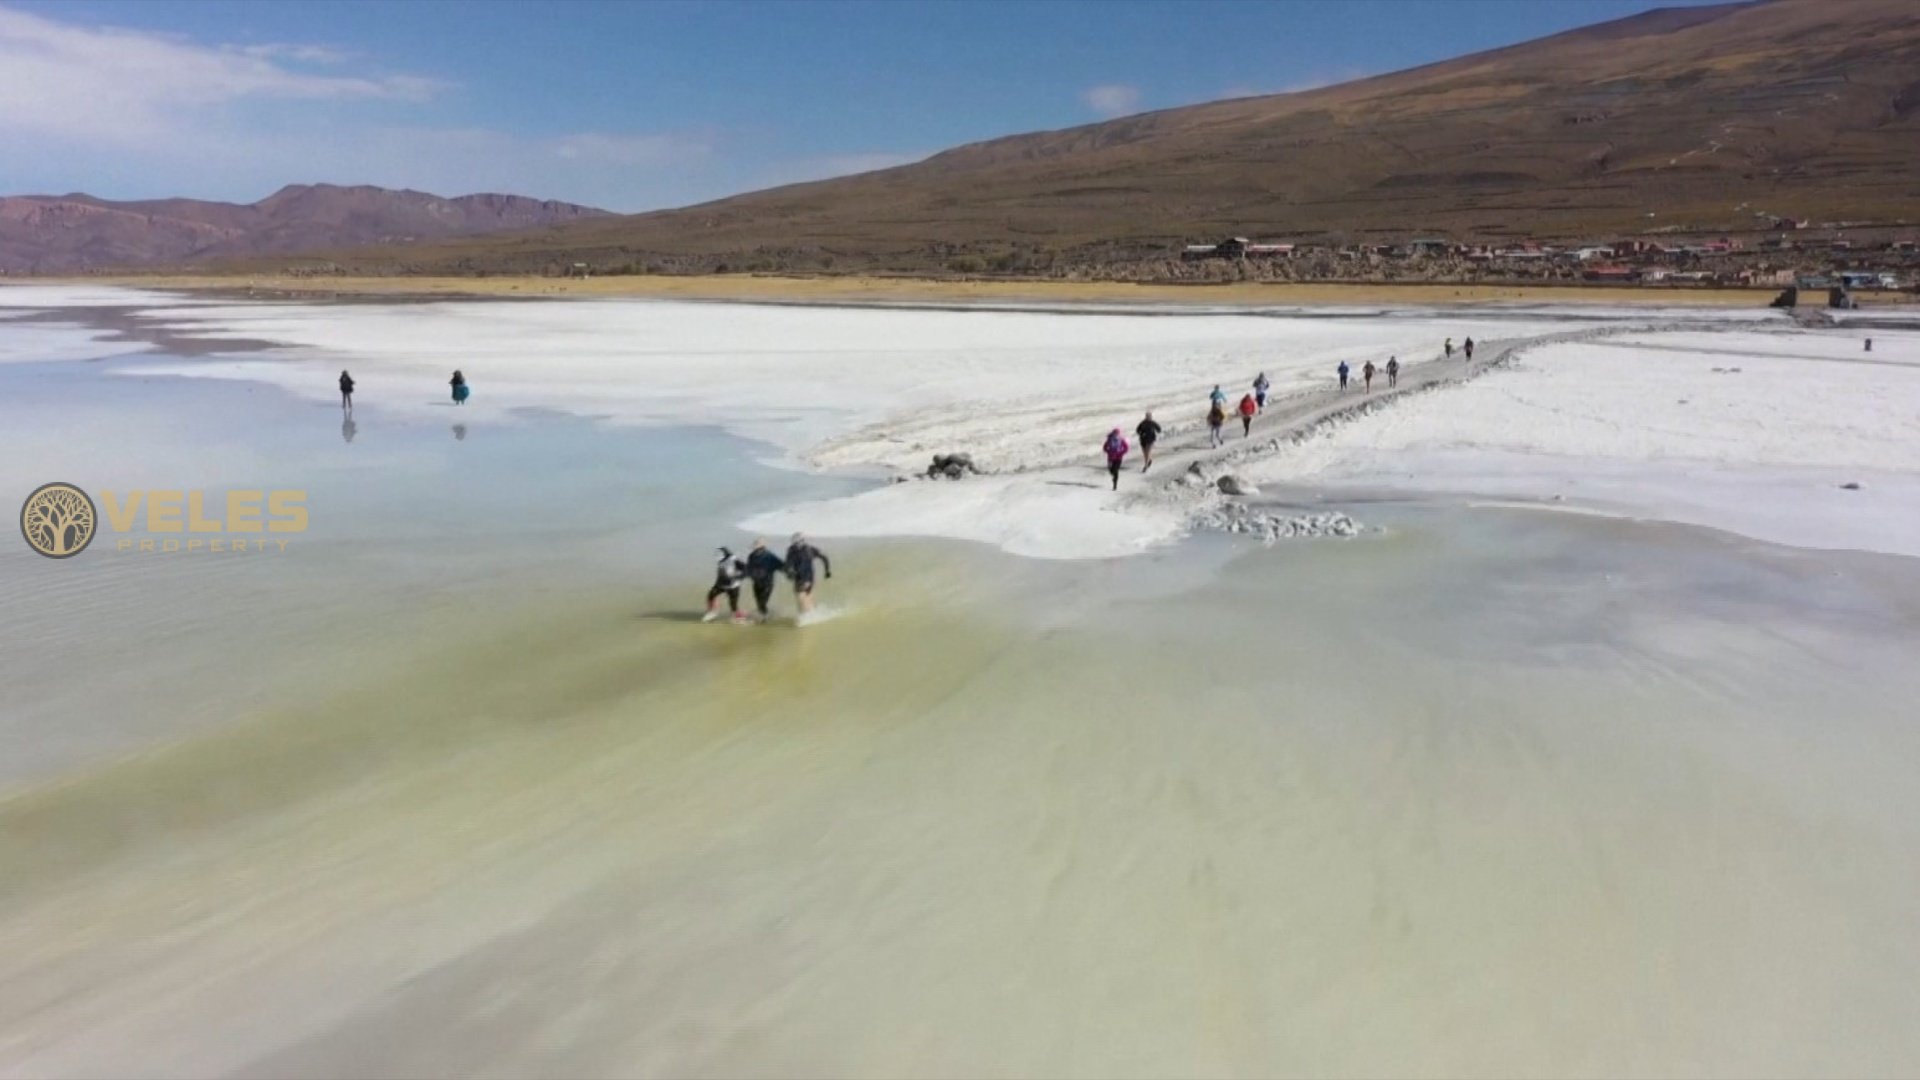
{"points": [[763, 569], [459, 384], [1116, 448], [1367, 372]]}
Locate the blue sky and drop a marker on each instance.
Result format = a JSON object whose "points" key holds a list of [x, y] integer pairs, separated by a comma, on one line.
{"points": [[634, 106]]}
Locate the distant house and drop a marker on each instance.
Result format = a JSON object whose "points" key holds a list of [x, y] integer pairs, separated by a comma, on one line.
{"points": [[1430, 245], [1611, 272], [1524, 250], [1233, 247], [1589, 254], [1270, 251]]}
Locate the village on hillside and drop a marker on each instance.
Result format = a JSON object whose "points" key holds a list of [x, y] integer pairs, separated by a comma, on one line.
{"points": [[1792, 258]]}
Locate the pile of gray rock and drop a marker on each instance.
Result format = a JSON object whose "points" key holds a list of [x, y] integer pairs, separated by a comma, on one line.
{"points": [[1245, 520], [951, 466]]}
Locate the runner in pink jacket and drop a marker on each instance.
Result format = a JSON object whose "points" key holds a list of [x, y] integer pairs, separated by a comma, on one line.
{"points": [[1116, 450]]}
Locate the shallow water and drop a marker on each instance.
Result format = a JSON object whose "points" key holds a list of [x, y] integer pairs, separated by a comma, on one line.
{"points": [[457, 786]]}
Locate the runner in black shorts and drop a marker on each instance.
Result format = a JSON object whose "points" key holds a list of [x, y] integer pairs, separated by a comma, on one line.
{"points": [[800, 557], [1149, 433]]}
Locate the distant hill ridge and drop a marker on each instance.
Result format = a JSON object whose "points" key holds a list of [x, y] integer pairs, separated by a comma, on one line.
{"points": [[1687, 119], [64, 233]]}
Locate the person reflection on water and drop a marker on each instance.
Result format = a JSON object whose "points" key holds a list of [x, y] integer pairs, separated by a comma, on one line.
{"points": [[348, 429]]}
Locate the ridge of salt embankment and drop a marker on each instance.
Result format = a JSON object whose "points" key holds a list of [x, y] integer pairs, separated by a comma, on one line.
{"points": [[1062, 508]]}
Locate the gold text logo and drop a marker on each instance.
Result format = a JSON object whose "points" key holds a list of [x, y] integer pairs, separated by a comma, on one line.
{"points": [[60, 520]]}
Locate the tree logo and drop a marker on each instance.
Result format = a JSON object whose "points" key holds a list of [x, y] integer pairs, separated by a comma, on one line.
{"points": [[58, 521]]}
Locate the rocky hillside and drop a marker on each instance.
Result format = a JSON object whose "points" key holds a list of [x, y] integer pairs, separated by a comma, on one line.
{"points": [[65, 233], [1710, 118]]}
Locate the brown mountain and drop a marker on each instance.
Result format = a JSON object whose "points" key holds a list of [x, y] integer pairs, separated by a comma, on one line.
{"points": [[54, 234], [1689, 119]]}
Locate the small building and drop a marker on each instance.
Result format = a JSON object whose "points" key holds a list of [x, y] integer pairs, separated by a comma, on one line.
{"points": [[1526, 249], [1611, 272], [1270, 251]]}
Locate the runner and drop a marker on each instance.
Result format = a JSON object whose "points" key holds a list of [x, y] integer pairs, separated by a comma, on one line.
{"points": [[1393, 371], [1116, 450], [762, 566], [1216, 416], [1149, 433], [459, 384], [1467, 346], [346, 392], [1367, 374], [1219, 396], [1344, 370], [1260, 387], [800, 557], [1247, 409], [1449, 348], [728, 572]]}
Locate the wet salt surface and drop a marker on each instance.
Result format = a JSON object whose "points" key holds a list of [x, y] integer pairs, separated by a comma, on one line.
{"points": [[457, 786]]}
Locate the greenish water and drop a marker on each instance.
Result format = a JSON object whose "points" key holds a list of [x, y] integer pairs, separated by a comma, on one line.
{"points": [[458, 787]]}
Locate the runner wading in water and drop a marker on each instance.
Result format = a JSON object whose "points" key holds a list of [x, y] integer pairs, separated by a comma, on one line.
{"points": [[1247, 409], [1116, 450], [1260, 387], [728, 572], [1366, 373], [1344, 370], [800, 557], [1149, 433], [346, 392], [762, 567], [1393, 371]]}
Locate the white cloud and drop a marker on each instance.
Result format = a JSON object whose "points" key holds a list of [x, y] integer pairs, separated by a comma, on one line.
{"points": [[1112, 99], [299, 54], [100, 83], [133, 114]]}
